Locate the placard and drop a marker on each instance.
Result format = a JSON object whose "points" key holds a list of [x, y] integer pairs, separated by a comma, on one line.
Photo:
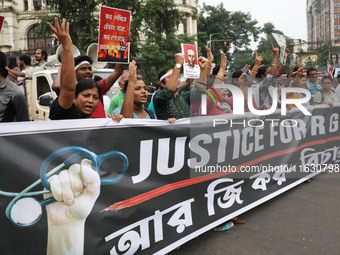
{"points": [[114, 27], [190, 68]]}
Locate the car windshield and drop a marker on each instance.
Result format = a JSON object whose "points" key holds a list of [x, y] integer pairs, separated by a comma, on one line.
{"points": [[101, 74]]}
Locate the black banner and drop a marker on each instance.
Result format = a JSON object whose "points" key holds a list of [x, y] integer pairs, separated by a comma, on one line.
{"points": [[182, 179]]}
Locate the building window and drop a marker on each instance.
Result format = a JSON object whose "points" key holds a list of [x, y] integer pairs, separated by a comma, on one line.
{"points": [[33, 42], [185, 28], [26, 5], [37, 5]]}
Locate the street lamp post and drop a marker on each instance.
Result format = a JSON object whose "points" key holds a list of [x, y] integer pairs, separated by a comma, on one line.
{"points": [[209, 42]]}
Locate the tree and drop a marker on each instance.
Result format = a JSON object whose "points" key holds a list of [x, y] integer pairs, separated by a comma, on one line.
{"points": [[157, 52], [322, 53], [84, 26], [269, 28], [265, 49], [161, 19], [242, 58], [237, 27], [156, 19]]}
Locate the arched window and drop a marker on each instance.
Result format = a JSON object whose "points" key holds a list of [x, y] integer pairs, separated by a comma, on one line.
{"points": [[33, 42]]}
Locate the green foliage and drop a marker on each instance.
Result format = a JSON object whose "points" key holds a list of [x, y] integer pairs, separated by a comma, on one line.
{"points": [[160, 22], [269, 28], [160, 17], [79, 13], [309, 62], [265, 49], [158, 53], [157, 19], [238, 27], [242, 58], [323, 55]]}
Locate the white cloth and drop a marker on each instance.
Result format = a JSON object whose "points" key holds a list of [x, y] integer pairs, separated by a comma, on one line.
{"points": [[337, 91]]}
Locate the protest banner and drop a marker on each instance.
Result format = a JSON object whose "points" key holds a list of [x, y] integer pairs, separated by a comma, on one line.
{"points": [[182, 179], [114, 27], [190, 67], [2, 19], [281, 41]]}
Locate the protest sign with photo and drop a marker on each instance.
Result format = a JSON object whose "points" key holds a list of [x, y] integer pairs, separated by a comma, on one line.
{"points": [[191, 68], [114, 27], [281, 41]]}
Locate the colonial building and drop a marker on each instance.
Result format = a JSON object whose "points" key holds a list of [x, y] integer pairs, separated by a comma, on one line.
{"points": [[301, 54], [22, 16], [323, 26]]}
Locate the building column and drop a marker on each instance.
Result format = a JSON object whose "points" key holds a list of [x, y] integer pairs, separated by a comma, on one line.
{"points": [[43, 5], [194, 26], [30, 5], [189, 25]]}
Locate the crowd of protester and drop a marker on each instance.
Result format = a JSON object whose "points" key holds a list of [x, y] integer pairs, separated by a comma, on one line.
{"points": [[80, 95]]}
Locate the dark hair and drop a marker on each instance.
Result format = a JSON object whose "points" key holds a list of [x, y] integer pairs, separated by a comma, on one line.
{"points": [[236, 74], [164, 71], [157, 85], [12, 62], [26, 59], [87, 84], [81, 58], [97, 78], [261, 71], [44, 53], [215, 70], [3, 62], [126, 84], [326, 78], [310, 70]]}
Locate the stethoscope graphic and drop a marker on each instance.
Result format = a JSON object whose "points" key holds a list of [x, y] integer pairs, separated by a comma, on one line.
{"points": [[15, 211]]}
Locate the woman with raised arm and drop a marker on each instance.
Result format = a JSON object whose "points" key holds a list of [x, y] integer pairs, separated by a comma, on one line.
{"points": [[136, 95], [75, 100]]}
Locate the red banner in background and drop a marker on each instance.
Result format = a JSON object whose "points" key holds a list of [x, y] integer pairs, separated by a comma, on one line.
{"points": [[2, 18], [114, 28]]}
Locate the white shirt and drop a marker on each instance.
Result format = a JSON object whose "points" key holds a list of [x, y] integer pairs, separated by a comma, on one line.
{"points": [[337, 91]]}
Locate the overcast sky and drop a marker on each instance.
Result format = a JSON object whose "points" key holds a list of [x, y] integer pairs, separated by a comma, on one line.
{"points": [[289, 16]]}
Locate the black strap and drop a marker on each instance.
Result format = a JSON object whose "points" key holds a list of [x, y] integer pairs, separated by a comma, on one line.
{"points": [[151, 114]]}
